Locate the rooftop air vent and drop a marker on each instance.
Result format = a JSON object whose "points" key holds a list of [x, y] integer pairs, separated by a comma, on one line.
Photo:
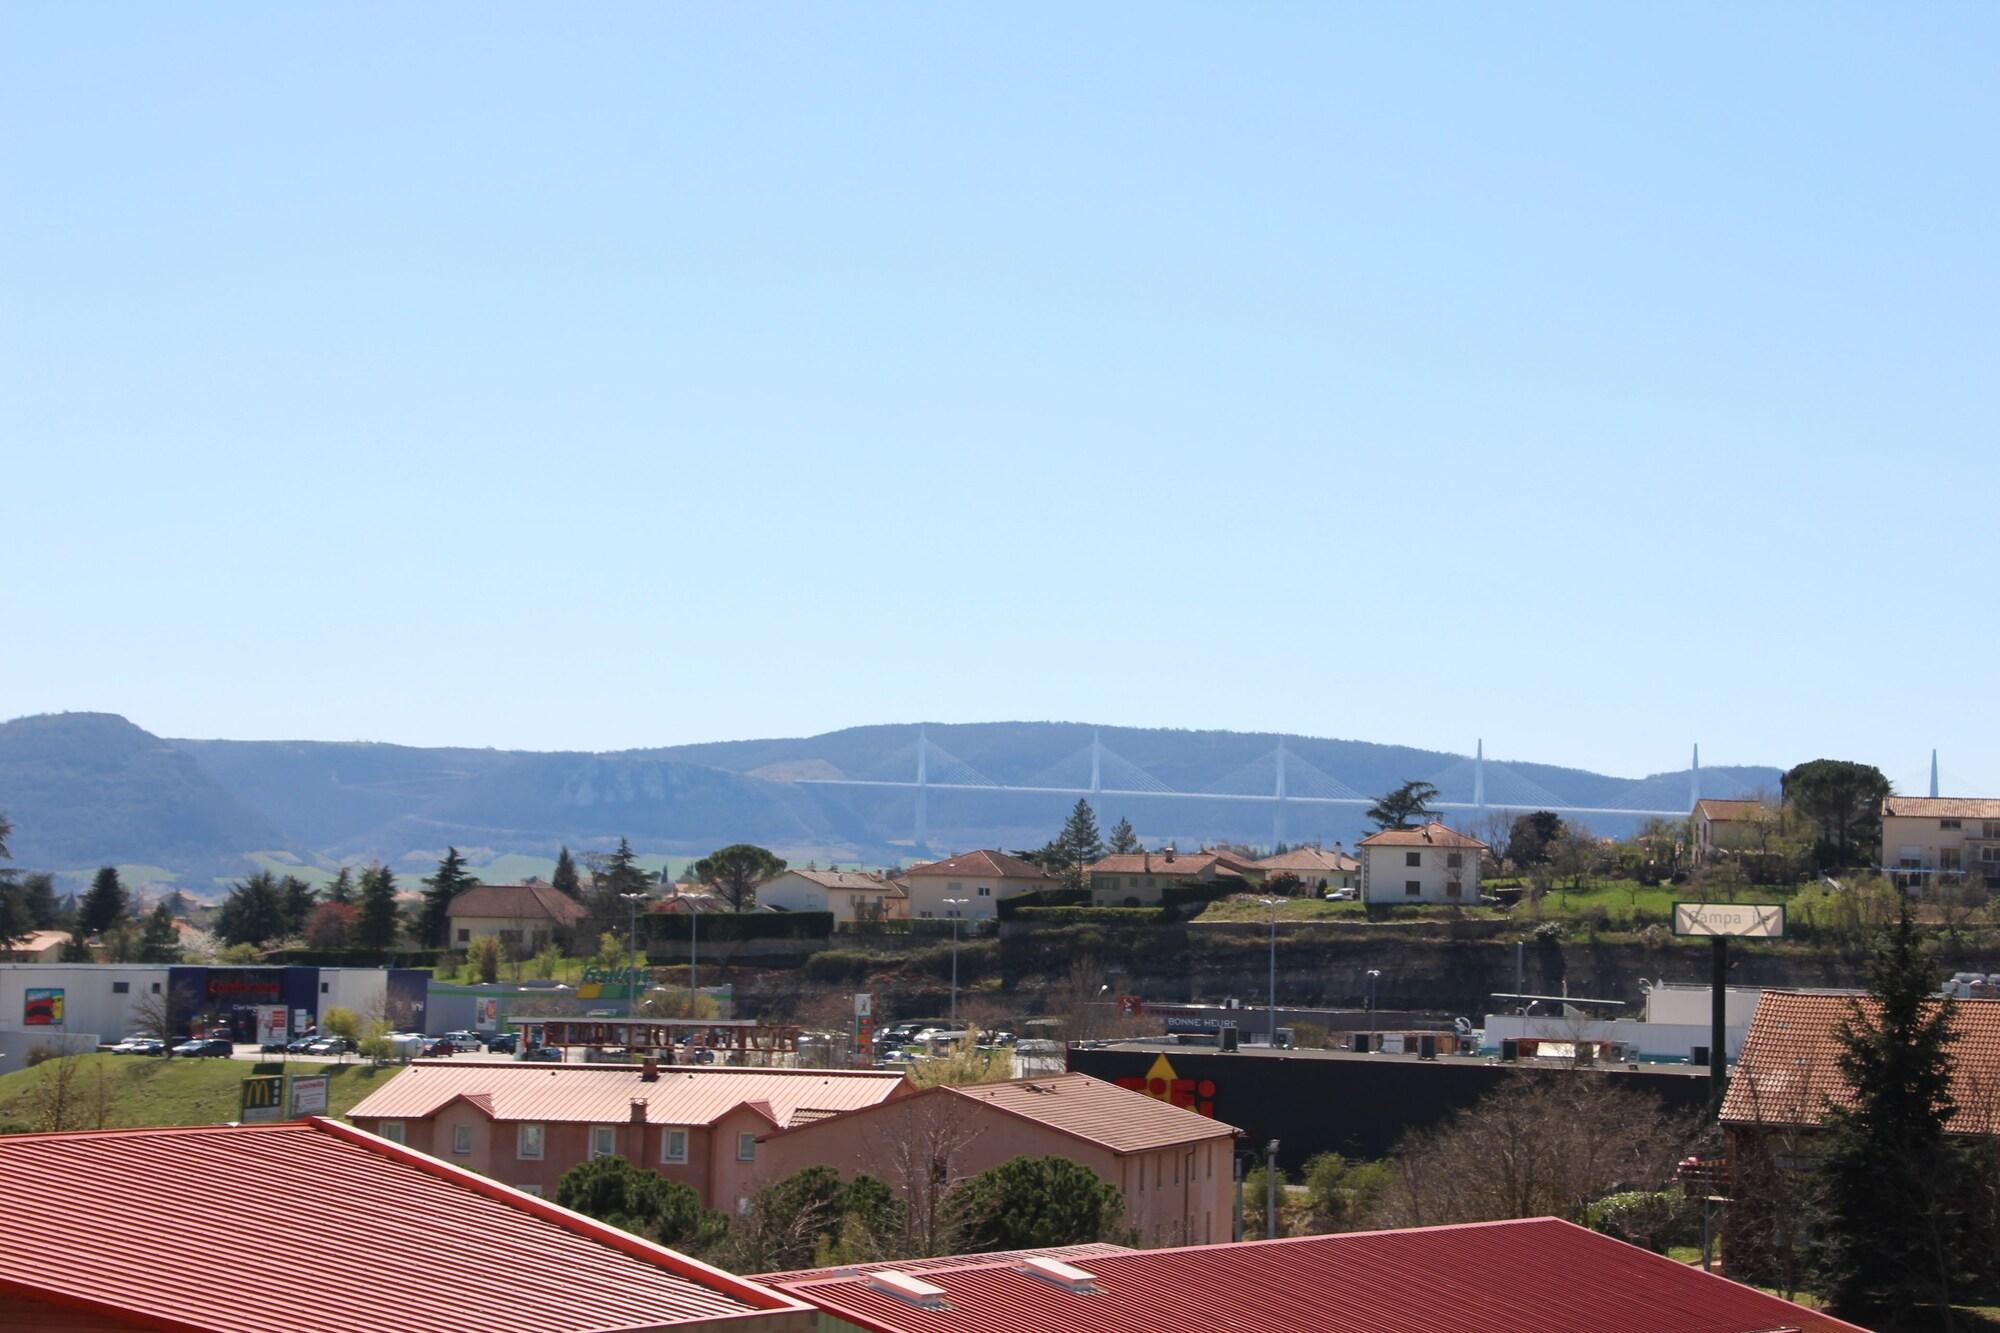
{"points": [[909, 1290], [1059, 1274]]}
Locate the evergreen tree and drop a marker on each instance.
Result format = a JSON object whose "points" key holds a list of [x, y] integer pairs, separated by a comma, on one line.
{"points": [[1890, 1171], [633, 1199], [105, 905], [298, 900], [254, 911], [75, 949], [342, 889], [1032, 1202], [1079, 840], [736, 871], [377, 926], [1123, 840], [160, 942], [566, 880], [1404, 806], [451, 879], [13, 904], [38, 898]]}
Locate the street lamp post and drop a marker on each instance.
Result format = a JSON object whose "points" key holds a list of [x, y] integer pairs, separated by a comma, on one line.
{"points": [[1372, 974], [632, 901], [694, 960], [1271, 1015], [954, 904]]}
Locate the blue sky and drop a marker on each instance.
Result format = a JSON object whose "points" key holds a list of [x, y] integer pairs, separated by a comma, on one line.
{"points": [[1591, 379]]}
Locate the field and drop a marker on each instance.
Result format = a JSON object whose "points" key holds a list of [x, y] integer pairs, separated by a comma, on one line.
{"points": [[1614, 904], [146, 1090]]}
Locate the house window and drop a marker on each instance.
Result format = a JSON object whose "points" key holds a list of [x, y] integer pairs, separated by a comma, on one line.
{"points": [[1413, 858], [1452, 889], [927, 916], [461, 1140], [746, 1147], [156, 988], [464, 934], [1948, 859], [326, 988], [603, 1141], [674, 1146], [120, 987], [954, 886], [391, 1130], [528, 1143], [986, 890], [1990, 828], [1454, 860], [1413, 886], [1949, 824]]}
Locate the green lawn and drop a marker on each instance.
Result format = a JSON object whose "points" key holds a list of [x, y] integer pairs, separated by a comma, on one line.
{"points": [[147, 1090], [1623, 902]]}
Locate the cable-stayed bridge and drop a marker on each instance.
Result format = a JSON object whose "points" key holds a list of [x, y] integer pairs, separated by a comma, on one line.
{"points": [[1278, 778]]}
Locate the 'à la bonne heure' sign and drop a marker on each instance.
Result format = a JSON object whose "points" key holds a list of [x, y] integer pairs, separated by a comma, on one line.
{"points": [[1764, 921]]}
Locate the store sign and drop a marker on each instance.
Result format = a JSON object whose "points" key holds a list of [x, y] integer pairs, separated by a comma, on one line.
{"points": [[1734, 920], [263, 1098], [1163, 1084], [43, 1008], [309, 1095], [237, 986]]}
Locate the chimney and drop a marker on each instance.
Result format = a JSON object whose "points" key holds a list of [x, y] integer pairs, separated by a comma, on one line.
{"points": [[649, 1069], [638, 1110]]}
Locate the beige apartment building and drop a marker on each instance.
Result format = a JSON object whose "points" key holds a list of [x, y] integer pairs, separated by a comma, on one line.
{"points": [[1138, 879], [1432, 864], [1926, 839], [980, 878]]}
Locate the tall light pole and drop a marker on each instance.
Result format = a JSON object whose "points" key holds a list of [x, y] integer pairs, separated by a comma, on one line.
{"points": [[694, 960], [632, 901], [954, 904], [1271, 1016], [1372, 974]]}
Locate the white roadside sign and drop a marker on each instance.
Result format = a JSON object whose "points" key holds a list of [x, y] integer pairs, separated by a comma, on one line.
{"points": [[1736, 920]]}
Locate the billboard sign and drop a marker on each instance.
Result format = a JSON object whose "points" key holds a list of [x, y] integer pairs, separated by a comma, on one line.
{"points": [[263, 1098], [43, 1008], [271, 1023], [489, 1014], [1758, 921], [309, 1095]]}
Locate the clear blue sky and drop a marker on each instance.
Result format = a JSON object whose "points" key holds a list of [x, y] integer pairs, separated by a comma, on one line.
{"points": [[1591, 379]]}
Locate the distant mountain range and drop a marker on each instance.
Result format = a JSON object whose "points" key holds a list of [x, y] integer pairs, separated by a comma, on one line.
{"points": [[84, 789]]}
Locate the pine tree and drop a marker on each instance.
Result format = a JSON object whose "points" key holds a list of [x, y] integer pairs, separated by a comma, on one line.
{"points": [[1890, 1170], [161, 940], [298, 900], [105, 905], [1408, 803], [254, 911], [1079, 838], [566, 880], [341, 890], [451, 879], [376, 930], [1123, 840]]}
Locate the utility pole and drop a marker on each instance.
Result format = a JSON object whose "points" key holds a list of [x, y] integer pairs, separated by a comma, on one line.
{"points": [[632, 901], [1271, 1014], [954, 904], [1271, 1189]]}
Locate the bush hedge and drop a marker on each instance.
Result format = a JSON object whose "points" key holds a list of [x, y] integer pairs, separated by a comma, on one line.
{"points": [[352, 958], [1037, 898], [729, 927], [1090, 916]]}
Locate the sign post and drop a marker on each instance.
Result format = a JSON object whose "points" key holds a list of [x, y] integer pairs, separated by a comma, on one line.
{"points": [[1719, 922]]}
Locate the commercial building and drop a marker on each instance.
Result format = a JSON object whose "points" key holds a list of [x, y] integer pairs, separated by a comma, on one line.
{"points": [[525, 918], [1431, 864], [1927, 839], [526, 1124], [1138, 879], [93, 1003], [1174, 1167], [1673, 1024], [851, 895], [981, 878], [314, 1227], [1539, 1275]]}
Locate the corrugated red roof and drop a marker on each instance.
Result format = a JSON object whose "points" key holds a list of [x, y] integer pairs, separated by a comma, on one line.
{"points": [[996, 865], [1534, 1276], [526, 902], [1069, 1254], [1103, 1113], [1789, 1070], [603, 1094], [187, 1229], [1432, 834]]}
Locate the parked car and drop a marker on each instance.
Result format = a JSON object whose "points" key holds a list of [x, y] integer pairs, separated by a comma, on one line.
{"points": [[467, 1041], [1341, 895], [275, 1046], [139, 1046], [297, 1045], [205, 1046], [508, 1042], [549, 1053], [329, 1046]]}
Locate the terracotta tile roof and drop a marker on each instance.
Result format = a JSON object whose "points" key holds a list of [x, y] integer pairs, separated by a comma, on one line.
{"points": [[851, 880], [35, 941], [983, 864], [603, 1094], [1102, 1113], [518, 901], [483, 1256], [1789, 1069], [1534, 1276], [1183, 864], [1067, 1253], [1727, 811], [1940, 807], [1304, 861], [1432, 834]]}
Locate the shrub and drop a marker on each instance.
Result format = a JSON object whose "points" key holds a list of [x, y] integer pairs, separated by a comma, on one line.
{"points": [[1652, 1221], [734, 927], [840, 966], [1077, 916]]}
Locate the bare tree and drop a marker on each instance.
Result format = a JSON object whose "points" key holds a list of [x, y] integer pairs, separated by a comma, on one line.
{"points": [[69, 1092], [1773, 1188], [163, 1015], [924, 1155]]}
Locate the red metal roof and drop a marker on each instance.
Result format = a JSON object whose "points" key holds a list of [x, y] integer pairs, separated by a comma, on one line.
{"points": [[1103, 1113], [1069, 1254], [190, 1229], [603, 1094], [1534, 1276], [1789, 1069]]}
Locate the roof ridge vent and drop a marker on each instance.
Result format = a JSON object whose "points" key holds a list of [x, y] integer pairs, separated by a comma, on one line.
{"points": [[1059, 1274], [906, 1288]]}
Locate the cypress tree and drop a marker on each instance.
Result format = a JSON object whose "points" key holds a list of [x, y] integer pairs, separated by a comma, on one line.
{"points": [[566, 880], [451, 879], [342, 889], [105, 905], [376, 928], [161, 940]]}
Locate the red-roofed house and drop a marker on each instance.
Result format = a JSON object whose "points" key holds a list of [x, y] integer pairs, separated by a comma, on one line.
{"points": [[1534, 1276], [180, 1229], [526, 918], [1726, 825], [851, 895], [527, 1123], [1431, 864], [1137, 879], [1317, 869], [1174, 1166], [982, 878]]}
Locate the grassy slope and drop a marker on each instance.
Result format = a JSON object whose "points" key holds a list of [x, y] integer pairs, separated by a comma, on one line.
{"points": [[144, 1090]]}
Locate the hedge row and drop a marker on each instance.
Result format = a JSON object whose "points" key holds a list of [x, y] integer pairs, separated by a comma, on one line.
{"points": [[727, 927], [1096, 916], [1039, 898], [352, 958]]}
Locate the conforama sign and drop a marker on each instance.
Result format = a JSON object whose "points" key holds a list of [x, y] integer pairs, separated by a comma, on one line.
{"points": [[1163, 1083]]}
